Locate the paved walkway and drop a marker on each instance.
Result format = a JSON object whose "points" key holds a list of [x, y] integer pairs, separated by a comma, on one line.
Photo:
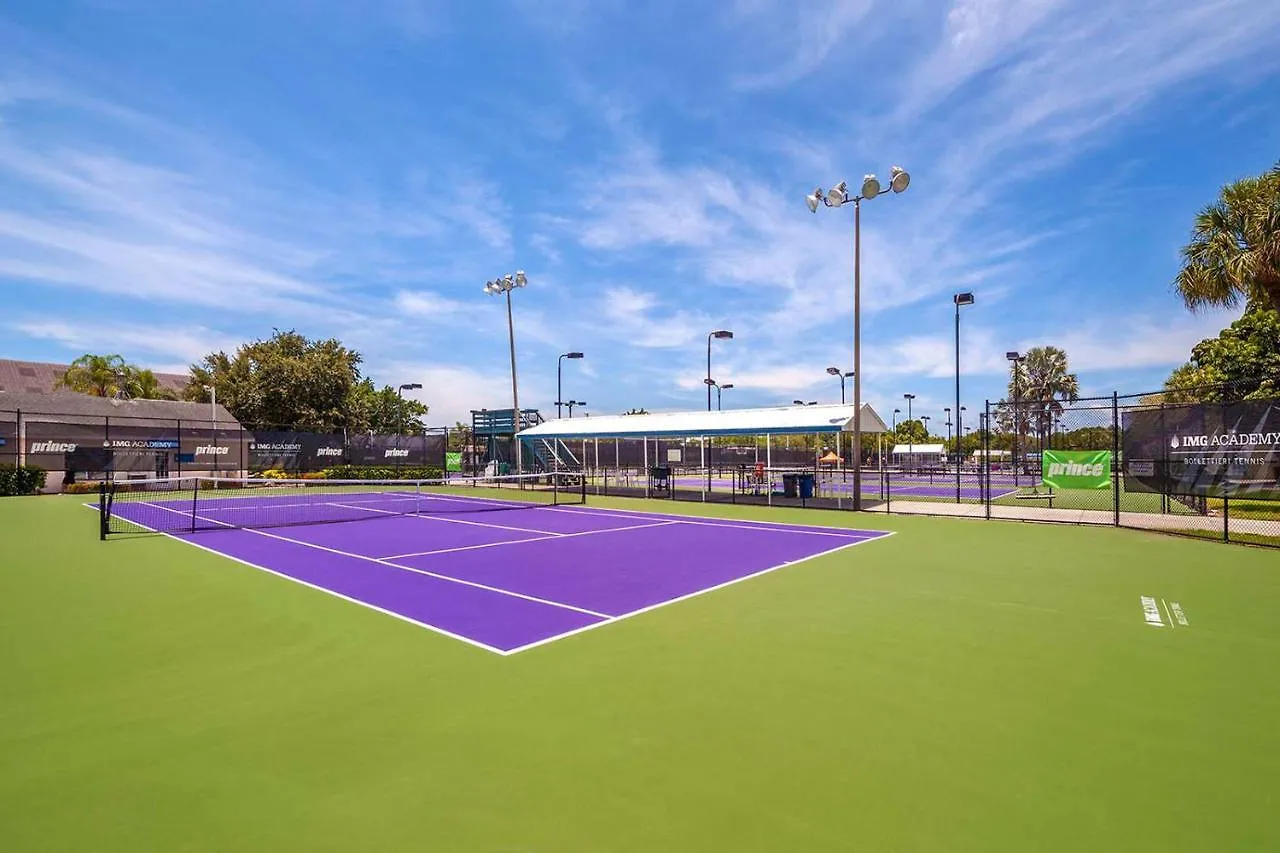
{"points": [[1147, 520]]}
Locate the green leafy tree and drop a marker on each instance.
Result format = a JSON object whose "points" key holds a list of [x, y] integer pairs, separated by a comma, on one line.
{"points": [[460, 437], [96, 375], [1241, 363], [910, 432], [287, 379], [1234, 252]]}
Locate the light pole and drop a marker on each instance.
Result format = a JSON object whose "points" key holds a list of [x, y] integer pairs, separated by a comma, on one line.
{"points": [[896, 412], [911, 441], [559, 364], [573, 403], [213, 416], [838, 195], [959, 299], [947, 409], [719, 334], [835, 371], [505, 285], [408, 386], [719, 390], [1016, 358]]}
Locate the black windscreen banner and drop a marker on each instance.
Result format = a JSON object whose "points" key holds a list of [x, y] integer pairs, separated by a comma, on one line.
{"points": [[1209, 450]]}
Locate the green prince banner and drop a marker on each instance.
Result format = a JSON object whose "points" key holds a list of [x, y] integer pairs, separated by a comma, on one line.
{"points": [[1077, 469]]}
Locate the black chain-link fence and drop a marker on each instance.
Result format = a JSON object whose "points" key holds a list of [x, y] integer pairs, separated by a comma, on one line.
{"points": [[75, 448]]}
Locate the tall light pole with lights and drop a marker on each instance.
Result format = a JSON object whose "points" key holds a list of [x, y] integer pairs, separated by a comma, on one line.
{"points": [[505, 285], [959, 299], [408, 386], [559, 365], [720, 335], [1016, 358], [911, 441], [838, 196]]}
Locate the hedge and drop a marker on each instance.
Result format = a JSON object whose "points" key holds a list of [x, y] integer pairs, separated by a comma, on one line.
{"points": [[26, 480], [378, 472]]}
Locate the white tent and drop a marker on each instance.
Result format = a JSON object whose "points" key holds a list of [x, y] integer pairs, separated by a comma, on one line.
{"points": [[783, 420], [919, 454]]}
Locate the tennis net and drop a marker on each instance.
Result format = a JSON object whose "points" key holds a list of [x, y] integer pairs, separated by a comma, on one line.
{"points": [[187, 504]]}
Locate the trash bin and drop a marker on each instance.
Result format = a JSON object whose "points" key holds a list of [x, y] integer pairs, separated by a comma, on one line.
{"points": [[791, 485], [807, 483]]}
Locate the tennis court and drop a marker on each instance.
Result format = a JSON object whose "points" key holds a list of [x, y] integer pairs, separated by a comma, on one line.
{"points": [[958, 685], [505, 571]]}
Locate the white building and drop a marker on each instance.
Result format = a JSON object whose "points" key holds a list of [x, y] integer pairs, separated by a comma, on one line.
{"points": [[919, 455]]}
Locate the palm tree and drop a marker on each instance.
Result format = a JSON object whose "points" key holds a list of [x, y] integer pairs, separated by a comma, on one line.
{"points": [[96, 375], [1234, 251], [143, 385], [1043, 383]]}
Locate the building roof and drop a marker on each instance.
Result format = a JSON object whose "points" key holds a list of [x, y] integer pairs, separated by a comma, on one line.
{"points": [[42, 376], [774, 421], [72, 408], [919, 448]]}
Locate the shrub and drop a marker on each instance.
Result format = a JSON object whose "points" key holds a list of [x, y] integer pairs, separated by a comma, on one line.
{"points": [[84, 487], [380, 472], [314, 475], [25, 480]]}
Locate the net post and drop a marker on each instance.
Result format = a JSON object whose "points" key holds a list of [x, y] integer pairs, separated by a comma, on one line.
{"points": [[102, 511], [195, 494]]}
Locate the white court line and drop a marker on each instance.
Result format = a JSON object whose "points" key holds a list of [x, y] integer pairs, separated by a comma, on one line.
{"points": [[534, 539], [445, 519], [712, 521], [382, 562], [687, 596], [606, 619], [437, 629], [1168, 613], [381, 498]]}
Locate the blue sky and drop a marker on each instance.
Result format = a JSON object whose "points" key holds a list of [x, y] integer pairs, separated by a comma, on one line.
{"points": [[180, 176]]}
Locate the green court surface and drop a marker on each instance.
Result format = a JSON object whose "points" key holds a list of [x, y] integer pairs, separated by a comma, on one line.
{"points": [[962, 685]]}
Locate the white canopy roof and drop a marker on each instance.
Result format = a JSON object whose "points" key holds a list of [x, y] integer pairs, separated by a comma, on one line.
{"points": [[919, 448], [776, 421]]}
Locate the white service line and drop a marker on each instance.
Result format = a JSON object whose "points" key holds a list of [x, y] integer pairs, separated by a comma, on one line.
{"points": [[534, 539], [382, 562], [687, 596], [711, 521], [437, 629], [448, 520]]}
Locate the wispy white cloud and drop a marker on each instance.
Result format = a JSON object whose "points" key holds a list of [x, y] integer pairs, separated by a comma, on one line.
{"points": [[793, 40], [156, 347]]}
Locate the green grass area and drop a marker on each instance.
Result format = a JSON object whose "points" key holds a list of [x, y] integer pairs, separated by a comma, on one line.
{"points": [[962, 685], [1262, 510], [1237, 536]]}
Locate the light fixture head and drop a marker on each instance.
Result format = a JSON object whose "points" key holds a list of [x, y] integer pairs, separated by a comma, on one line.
{"points": [[908, 396], [1012, 355], [838, 194], [814, 199], [522, 280], [834, 371], [488, 287], [870, 186], [722, 334], [850, 374], [573, 355], [711, 382], [899, 180], [797, 402], [726, 386], [963, 298]]}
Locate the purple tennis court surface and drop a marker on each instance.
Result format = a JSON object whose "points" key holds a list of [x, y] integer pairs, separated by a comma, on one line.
{"points": [[517, 578]]}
